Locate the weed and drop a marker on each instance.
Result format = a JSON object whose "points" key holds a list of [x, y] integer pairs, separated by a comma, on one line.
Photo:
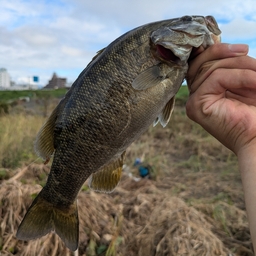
{"points": [[4, 174], [101, 249], [17, 135], [85, 188], [222, 197], [220, 215]]}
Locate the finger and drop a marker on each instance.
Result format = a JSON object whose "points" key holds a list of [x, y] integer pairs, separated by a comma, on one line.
{"points": [[243, 62], [223, 79], [195, 52], [214, 89], [215, 52], [247, 96]]}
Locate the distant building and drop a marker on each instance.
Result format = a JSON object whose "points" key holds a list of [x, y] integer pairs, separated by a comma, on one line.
{"points": [[5, 81], [56, 82]]}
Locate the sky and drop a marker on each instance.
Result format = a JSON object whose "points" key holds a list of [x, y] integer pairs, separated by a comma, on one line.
{"points": [[40, 37]]}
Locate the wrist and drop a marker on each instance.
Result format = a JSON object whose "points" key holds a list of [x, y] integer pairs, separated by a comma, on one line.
{"points": [[247, 166], [246, 153]]}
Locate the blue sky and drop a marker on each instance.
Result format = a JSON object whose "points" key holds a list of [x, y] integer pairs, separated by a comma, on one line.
{"points": [[45, 36]]}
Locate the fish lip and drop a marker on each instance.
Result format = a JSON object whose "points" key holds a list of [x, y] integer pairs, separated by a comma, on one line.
{"points": [[212, 25]]}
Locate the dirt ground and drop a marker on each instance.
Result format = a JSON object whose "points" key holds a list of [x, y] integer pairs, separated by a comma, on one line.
{"points": [[192, 205]]}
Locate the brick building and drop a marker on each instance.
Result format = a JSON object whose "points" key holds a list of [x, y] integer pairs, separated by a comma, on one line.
{"points": [[56, 82]]}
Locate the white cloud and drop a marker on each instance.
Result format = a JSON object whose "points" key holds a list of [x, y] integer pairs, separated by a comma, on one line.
{"points": [[71, 51], [40, 37], [36, 37], [239, 29]]}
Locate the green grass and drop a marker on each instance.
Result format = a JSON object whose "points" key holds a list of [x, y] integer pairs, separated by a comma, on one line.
{"points": [[7, 96], [182, 95]]}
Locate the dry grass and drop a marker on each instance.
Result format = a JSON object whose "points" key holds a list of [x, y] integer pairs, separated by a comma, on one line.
{"points": [[17, 133], [194, 206], [137, 219]]}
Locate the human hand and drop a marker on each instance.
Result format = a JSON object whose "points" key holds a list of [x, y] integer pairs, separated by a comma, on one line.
{"points": [[222, 83]]}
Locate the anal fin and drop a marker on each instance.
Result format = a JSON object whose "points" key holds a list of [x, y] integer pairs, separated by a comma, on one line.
{"points": [[106, 179]]}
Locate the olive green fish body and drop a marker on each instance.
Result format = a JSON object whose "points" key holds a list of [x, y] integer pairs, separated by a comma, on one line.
{"points": [[105, 114], [129, 85]]}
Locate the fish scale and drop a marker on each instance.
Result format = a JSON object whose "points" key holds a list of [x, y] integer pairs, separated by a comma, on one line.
{"points": [[124, 89]]}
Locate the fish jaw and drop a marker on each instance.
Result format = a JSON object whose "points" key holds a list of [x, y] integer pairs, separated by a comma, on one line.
{"points": [[212, 25], [175, 42]]}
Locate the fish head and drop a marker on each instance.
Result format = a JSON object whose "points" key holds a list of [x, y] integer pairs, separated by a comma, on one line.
{"points": [[174, 41]]}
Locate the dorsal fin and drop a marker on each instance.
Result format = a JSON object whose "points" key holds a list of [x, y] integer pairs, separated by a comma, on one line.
{"points": [[106, 179]]}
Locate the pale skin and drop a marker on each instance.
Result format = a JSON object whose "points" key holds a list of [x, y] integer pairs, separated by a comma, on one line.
{"points": [[222, 83]]}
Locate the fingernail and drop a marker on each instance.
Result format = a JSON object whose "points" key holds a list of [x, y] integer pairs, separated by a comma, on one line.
{"points": [[238, 48]]}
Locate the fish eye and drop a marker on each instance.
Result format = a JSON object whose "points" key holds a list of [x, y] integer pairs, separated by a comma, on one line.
{"points": [[186, 18]]}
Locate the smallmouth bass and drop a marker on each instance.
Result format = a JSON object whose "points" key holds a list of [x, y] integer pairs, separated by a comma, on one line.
{"points": [[126, 87]]}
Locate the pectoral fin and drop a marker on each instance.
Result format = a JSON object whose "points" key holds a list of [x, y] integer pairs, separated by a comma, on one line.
{"points": [[166, 113], [106, 179], [148, 78]]}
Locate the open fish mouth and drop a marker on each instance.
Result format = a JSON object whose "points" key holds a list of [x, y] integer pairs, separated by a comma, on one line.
{"points": [[166, 54]]}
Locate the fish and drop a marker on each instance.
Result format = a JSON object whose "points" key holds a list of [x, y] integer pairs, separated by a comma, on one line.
{"points": [[125, 88]]}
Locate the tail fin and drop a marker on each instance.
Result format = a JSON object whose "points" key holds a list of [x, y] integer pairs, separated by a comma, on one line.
{"points": [[42, 217]]}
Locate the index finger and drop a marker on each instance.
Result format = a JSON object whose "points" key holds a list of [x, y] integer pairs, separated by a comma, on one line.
{"points": [[214, 52]]}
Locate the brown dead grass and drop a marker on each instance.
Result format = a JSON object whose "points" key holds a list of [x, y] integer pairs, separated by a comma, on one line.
{"points": [[195, 205], [137, 219]]}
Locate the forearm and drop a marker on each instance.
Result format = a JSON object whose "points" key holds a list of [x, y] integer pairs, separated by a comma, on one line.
{"points": [[222, 83], [247, 167]]}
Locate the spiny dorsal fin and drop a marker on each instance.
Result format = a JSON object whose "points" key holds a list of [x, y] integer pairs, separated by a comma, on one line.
{"points": [[44, 139], [106, 179], [165, 115], [148, 78], [97, 55], [44, 144]]}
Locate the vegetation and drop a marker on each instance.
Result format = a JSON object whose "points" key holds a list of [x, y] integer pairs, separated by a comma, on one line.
{"points": [[193, 206], [9, 96], [18, 130]]}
